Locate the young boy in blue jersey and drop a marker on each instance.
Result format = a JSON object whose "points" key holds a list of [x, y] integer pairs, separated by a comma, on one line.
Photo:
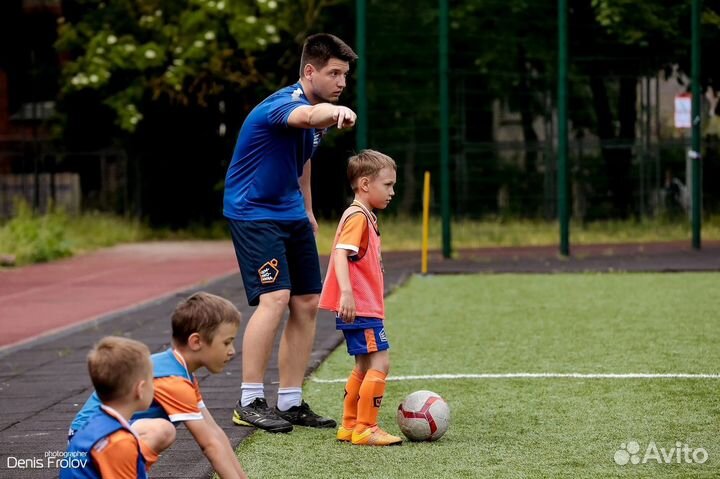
{"points": [[204, 327], [121, 371], [269, 206]]}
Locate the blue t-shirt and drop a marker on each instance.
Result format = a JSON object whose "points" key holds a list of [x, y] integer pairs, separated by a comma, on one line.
{"points": [[262, 179]]}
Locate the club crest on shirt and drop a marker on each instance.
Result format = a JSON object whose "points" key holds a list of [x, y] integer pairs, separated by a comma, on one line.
{"points": [[296, 94], [268, 272]]}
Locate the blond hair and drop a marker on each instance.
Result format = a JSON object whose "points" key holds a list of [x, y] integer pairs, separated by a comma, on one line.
{"points": [[367, 163], [115, 364], [202, 313]]}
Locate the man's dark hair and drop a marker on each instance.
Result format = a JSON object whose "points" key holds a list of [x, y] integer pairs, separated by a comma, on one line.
{"points": [[321, 47]]}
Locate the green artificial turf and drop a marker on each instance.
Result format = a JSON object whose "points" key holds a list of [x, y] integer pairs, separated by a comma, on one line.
{"points": [[522, 427]]}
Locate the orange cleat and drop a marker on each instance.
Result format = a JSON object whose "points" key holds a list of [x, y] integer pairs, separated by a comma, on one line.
{"points": [[374, 436], [344, 434]]}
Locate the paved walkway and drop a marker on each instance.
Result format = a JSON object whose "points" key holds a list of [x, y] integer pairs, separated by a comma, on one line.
{"points": [[51, 315]]}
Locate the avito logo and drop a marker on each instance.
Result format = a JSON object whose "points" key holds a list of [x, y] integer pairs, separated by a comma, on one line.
{"points": [[680, 453]]}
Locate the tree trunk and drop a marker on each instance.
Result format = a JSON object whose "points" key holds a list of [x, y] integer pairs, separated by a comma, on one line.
{"points": [[627, 112], [601, 104], [409, 181], [530, 183], [617, 149], [526, 114]]}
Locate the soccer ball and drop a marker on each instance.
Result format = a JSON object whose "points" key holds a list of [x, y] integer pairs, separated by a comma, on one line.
{"points": [[423, 416]]}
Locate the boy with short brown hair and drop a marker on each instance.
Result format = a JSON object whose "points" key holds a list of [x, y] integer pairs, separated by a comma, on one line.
{"points": [[354, 290], [121, 371]]}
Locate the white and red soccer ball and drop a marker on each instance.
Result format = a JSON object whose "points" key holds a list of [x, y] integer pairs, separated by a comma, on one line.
{"points": [[423, 416]]}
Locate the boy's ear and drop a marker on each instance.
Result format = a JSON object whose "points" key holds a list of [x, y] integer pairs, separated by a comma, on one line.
{"points": [[194, 341], [364, 183], [139, 387]]}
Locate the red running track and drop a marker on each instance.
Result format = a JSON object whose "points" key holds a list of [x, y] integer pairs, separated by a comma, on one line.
{"points": [[41, 299]]}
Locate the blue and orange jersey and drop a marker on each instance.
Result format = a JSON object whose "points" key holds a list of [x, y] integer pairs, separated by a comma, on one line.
{"points": [[359, 234], [177, 393], [106, 447]]}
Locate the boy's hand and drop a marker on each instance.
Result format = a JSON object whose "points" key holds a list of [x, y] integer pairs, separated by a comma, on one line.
{"points": [[347, 307]]}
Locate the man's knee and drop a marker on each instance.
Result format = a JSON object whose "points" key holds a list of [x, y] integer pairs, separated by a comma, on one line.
{"points": [[306, 304], [277, 301]]}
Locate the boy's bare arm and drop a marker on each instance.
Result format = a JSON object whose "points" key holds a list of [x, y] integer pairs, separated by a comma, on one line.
{"points": [[342, 273], [224, 439], [215, 448]]}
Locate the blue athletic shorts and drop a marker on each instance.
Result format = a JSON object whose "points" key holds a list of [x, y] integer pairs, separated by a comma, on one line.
{"points": [[276, 255], [364, 335]]}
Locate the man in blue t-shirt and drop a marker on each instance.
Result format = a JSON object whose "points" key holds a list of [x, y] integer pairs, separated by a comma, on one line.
{"points": [[269, 207]]}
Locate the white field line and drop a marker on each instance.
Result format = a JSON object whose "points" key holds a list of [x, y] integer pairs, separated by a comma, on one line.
{"points": [[537, 376]]}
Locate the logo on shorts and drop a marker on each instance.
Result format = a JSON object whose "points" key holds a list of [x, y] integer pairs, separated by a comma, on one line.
{"points": [[383, 336], [269, 272]]}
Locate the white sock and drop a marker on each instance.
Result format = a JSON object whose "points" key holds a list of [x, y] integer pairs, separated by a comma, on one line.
{"points": [[250, 392], [289, 397]]}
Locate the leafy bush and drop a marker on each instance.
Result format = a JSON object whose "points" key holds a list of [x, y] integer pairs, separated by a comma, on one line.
{"points": [[33, 238], [36, 238]]}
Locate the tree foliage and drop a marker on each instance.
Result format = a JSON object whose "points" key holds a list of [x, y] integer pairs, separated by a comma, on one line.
{"points": [[146, 60], [127, 50], [511, 47], [170, 83]]}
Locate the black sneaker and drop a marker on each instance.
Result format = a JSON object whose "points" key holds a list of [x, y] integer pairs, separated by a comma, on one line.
{"points": [[258, 414], [302, 415]]}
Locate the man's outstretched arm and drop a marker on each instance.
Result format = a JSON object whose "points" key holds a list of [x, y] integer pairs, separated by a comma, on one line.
{"points": [[322, 115]]}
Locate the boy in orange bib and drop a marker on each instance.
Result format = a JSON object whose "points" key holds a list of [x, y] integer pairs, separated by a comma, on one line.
{"points": [[354, 289]]}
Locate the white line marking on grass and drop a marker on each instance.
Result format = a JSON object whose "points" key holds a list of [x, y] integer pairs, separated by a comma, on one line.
{"points": [[538, 376]]}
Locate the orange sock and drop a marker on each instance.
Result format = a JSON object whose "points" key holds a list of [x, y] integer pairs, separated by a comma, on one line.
{"points": [[371, 394], [350, 401]]}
